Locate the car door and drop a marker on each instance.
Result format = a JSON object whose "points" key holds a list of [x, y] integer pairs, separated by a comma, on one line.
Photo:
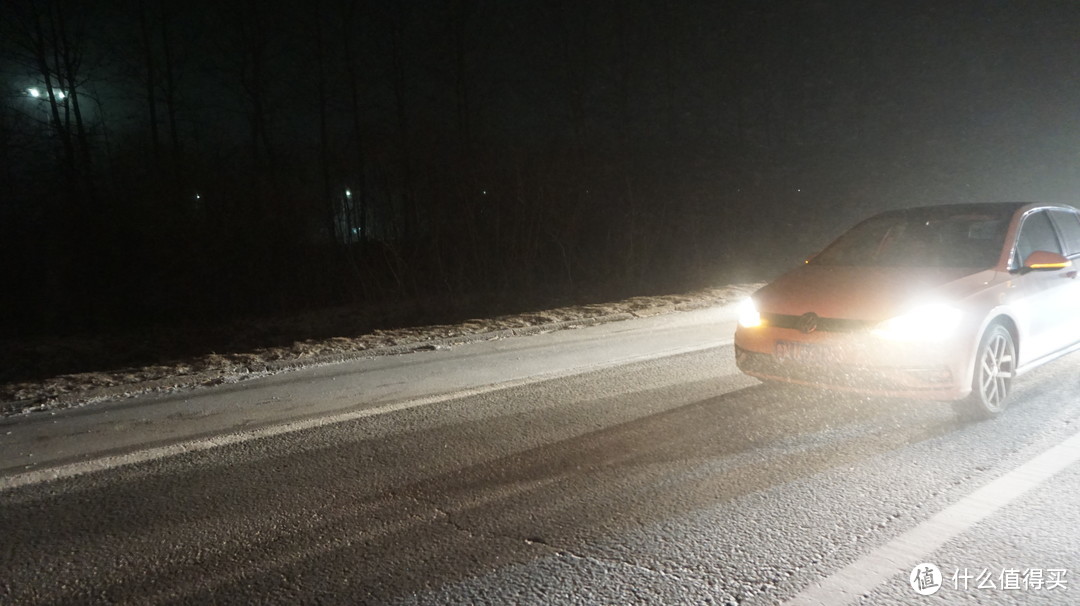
{"points": [[1041, 297], [1067, 223]]}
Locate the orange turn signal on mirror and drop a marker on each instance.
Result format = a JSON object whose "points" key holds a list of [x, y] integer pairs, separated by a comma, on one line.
{"points": [[1051, 265], [1042, 259]]}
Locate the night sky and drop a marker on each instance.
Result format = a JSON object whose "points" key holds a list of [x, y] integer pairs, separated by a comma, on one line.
{"points": [[622, 138]]}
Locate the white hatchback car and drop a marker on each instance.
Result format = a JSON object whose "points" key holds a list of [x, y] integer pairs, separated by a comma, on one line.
{"points": [[945, 302]]}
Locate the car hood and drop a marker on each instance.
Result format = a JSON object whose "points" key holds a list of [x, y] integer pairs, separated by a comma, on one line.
{"points": [[865, 293]]}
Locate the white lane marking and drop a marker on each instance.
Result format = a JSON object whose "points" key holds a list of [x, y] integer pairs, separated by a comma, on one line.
{"points": [[864, 575], [37, 476]]}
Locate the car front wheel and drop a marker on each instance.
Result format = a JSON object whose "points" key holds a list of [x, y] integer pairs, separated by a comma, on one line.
{"points": [[995, 367]]}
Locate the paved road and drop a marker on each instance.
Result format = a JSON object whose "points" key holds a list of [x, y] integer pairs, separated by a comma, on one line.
{"points": [[626, 463]]}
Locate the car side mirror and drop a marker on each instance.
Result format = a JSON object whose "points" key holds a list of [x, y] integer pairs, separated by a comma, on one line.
{"points": [[1045, 260]]}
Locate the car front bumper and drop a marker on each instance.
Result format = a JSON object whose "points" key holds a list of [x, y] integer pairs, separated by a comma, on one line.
{"points": [[857, 362]]}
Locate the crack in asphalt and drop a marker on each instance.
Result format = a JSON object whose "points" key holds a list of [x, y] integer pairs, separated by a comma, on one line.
{"points": [[568, 553]]}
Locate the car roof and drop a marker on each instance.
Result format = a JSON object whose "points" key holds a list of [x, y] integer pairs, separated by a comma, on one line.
{"points": [[1003, 209], [950, 209]]}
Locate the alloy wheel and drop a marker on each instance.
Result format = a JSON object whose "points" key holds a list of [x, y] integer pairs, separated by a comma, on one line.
{"points": [[996, 366]]}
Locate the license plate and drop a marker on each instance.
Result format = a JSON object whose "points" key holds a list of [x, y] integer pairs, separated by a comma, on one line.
{"points": [[806, 352]]}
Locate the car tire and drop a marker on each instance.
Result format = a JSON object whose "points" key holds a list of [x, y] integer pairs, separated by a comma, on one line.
{"points": [[995, 368]]}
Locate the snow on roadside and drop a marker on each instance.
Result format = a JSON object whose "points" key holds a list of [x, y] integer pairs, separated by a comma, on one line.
{"points": [[212, 369]]}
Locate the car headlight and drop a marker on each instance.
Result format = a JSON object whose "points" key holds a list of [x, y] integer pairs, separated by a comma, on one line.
{"points": [[933, 322], [748, 314]]}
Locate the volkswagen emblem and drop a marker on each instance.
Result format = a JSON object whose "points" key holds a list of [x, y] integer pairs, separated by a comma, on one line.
{"points": [[808, 322]]}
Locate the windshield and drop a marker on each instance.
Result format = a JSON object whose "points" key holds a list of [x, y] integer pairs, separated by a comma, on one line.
{"points": [[922, 237]]}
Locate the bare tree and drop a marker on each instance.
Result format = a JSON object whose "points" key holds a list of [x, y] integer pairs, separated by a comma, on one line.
{"points": [[247, 47], [574, 22], [463, 10], [169, 83], [50, 37], [151, 75], [398, 82], [348, 12]]}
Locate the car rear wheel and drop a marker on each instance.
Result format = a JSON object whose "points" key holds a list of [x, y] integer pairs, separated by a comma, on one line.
{"points": [[995, 367]]}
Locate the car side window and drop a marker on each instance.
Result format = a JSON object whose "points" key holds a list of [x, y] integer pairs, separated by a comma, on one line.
{"points": [[1068, 223], [1037, 233]]}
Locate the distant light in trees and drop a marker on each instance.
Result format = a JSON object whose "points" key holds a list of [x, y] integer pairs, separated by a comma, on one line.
{"points": [[348, 193], [35, 92]]}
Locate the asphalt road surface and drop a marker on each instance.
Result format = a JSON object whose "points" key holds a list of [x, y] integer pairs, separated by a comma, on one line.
{"points": [[627, 463]]}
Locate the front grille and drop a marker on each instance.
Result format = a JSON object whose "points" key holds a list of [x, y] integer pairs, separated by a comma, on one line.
{"points": [[823, 324]]}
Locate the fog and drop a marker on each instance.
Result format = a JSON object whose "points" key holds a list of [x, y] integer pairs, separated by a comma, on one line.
{"points": [[223, 160]]}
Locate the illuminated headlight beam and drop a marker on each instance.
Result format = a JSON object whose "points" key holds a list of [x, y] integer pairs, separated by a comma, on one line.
{"points": [[748, 314], [932, 322]]}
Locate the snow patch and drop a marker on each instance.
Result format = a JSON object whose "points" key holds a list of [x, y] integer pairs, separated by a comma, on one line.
{"points": [[217, 368]]}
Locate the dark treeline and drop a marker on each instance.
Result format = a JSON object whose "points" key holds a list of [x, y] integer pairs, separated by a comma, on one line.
{"points": [[196, 161]]}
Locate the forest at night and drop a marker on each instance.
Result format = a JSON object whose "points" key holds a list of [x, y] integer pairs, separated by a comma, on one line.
{"points": [[181, 163]]}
